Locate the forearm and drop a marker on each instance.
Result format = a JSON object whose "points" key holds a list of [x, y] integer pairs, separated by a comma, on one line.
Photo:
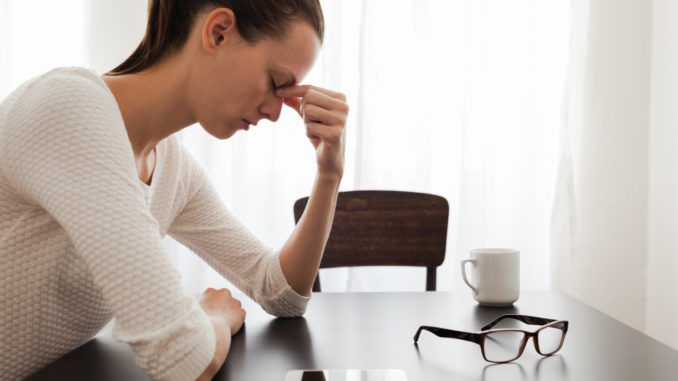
{"points": [[300, 256], [223, 344], [324, 112]]}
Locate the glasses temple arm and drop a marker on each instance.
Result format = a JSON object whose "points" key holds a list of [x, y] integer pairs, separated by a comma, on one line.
{"points": [[448, 333], [533, 320]]}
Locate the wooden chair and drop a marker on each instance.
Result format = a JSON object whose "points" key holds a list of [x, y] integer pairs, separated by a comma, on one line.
{"points": [[385, 228]]}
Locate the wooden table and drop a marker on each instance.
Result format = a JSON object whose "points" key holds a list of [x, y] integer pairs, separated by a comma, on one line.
{"points": [[375, 330]]}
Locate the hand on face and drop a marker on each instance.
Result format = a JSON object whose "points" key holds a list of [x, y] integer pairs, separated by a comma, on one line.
{"points": [[324, 112]]}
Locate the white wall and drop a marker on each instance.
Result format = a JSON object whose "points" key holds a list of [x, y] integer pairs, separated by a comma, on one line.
{"points": [[115, 29], [624, 135], [662, 282], [610, 161], [37, 36]]}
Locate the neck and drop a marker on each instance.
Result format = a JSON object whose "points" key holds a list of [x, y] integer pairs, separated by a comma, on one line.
{"points": [[153, 104]]}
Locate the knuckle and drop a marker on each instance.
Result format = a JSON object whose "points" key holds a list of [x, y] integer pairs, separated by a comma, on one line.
{"points": [[305, 107]]}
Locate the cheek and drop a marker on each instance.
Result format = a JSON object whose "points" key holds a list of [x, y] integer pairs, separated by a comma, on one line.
{"points": [[233, 95], [250, 84]]}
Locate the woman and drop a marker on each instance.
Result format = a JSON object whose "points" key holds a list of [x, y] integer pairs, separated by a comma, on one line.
{"points": [[92, 177]]}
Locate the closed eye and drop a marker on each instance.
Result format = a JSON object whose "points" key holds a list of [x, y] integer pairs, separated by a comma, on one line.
{"points": [[273, 85]]}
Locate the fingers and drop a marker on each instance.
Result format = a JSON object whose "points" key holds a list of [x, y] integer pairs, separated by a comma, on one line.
{"points": [[295, 104], [323, 100], [313, 113], [299, 97], [318, 107], [331, 136], [301, 90], [325, 113], [215, 299], [211, 291]]}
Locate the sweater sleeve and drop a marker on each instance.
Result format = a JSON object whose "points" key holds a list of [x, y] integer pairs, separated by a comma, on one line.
{"points": [[65, 149], [207, 228]]}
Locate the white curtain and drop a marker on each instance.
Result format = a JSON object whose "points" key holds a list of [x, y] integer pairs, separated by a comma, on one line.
{"points": [[457, 98], [616, 209], [33, 40]]}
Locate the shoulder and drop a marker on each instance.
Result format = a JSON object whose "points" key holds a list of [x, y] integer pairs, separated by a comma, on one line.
{"points": [[66, 99], [62, 92], [66, 87], [67, 111], [61, 82], [70, 77]]}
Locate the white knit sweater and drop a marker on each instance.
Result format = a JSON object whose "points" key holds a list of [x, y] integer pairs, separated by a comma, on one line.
{"points": [[81, 236]]}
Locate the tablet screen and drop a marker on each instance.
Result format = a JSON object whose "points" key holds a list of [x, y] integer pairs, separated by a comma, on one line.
{"points": [[347, 375]]}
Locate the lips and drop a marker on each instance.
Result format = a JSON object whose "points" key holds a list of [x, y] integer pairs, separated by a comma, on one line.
{"points": [[246, 124]]}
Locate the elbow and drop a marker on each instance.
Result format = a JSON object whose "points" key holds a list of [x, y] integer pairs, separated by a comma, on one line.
{"points": [[279, 312], [293, 314], [287, 304]]}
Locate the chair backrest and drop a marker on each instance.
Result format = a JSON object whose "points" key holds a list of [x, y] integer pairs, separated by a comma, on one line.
{"points": [[386, 228]]}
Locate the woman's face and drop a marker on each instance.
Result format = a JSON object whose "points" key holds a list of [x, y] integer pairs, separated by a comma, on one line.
{"points": [[238, 81]]}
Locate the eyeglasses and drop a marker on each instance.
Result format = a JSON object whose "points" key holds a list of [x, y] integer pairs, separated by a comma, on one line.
{"points": [[505, 345]]}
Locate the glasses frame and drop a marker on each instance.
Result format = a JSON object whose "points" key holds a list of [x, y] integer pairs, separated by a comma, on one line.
{"points": [[479, 337]]}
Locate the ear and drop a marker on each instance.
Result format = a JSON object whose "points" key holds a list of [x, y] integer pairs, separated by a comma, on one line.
{"points": [[218, 28]]}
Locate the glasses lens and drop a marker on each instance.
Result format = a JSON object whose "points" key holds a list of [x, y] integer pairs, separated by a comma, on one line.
{"points": [[503, 345], [549, 340]]}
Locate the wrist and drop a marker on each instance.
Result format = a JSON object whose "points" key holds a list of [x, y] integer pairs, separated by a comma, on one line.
{"points": [[220, 324], [330, 177], [223, 343]]}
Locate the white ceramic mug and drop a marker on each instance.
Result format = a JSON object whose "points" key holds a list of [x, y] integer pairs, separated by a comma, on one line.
{"points": [[495, 275]]}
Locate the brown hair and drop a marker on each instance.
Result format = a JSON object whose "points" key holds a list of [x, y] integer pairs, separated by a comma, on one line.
{"points": [[170, 22]]}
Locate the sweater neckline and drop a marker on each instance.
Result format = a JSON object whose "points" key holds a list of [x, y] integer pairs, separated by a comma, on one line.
{"points": [[159, 155], [159, 149]]}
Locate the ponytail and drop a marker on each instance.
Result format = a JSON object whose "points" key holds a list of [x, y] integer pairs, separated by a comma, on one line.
{"points": [[170, 23]]}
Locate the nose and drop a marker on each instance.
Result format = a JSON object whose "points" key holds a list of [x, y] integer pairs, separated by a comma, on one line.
{"points": [[271, 107]]}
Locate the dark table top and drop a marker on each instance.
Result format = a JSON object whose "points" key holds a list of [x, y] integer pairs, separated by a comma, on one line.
{"points": [[375, 331]]}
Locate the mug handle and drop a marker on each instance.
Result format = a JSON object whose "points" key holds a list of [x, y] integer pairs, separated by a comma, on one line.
{"points": [[463, 273]]}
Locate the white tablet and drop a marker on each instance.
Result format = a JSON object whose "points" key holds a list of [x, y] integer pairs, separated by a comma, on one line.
{"points": [[347, 375]]}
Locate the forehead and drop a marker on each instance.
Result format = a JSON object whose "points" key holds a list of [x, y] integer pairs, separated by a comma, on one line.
{"points": [[296, 52]]}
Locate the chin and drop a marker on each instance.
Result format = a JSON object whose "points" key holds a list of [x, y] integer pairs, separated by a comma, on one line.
{"points": [[221, 132]]}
